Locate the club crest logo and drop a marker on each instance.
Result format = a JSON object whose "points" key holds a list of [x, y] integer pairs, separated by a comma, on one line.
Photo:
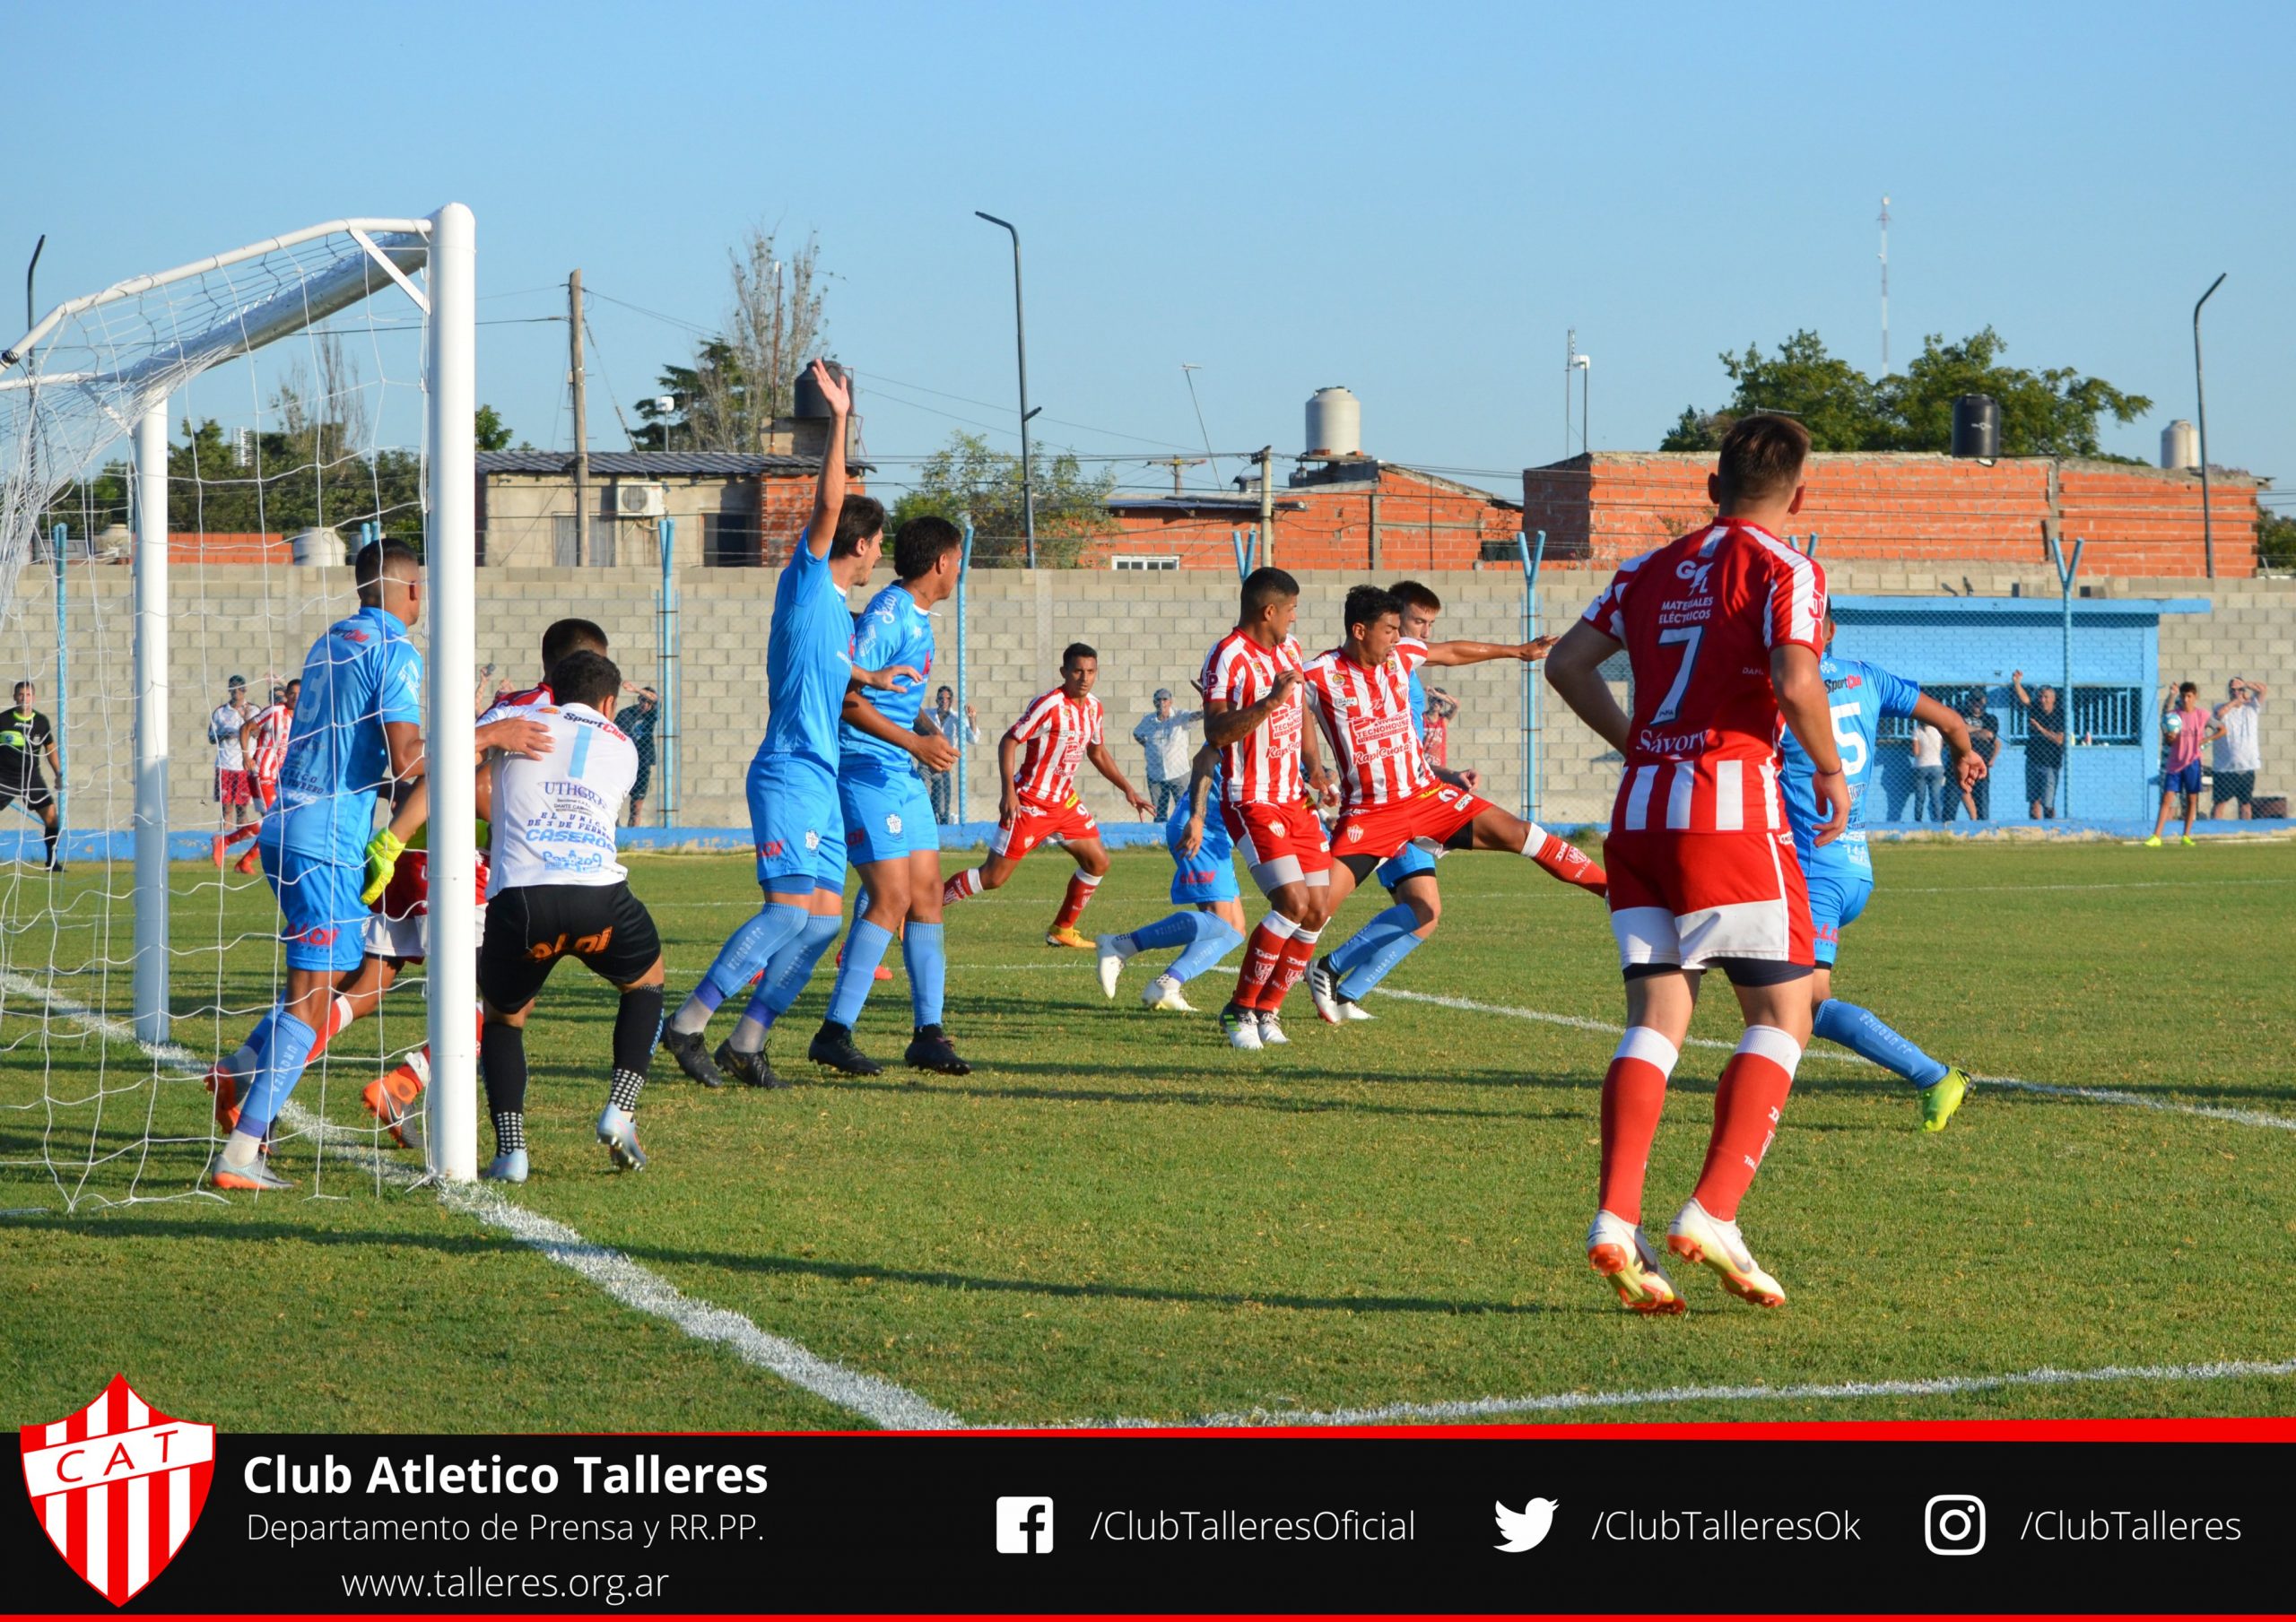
{"points": [[892, 819], [1276, 828], [812, 840], [117, 1486], [1354, 833]]}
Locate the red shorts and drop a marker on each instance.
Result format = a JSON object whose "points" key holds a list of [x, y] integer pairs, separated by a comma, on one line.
{"points": [[1282, 844], [1429, 817], [1685, 899], [1034, 822], [234, 788]]}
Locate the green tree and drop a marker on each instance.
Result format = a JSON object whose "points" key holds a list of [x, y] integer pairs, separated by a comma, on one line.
{"points": [[2275, 540], [1833, 399], [493, 433], [966, 476], [741, 376], [2046, 413]]}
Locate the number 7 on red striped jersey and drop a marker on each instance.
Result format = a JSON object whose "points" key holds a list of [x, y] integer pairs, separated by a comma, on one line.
{"points": [[1681, 636]]}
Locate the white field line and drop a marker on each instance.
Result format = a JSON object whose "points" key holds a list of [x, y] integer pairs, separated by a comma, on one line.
{"points": [[2094, 1095], [1949, 1385], [880, 1401]]}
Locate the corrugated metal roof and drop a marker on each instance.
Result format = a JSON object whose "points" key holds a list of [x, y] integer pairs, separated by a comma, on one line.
{"points": [[653, 464]]}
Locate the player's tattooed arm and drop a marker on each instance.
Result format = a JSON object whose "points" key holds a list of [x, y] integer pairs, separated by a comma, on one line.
{"points": [[1105, 764], [1478, 653], [885, 681], [1008, 795], [1801, 688], [1575, 671], [1199, 793], [1224, 724], [932, 751], [1968, 766]]}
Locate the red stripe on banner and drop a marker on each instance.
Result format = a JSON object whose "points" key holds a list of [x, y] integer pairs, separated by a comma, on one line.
{"points": [[116, 1544]]}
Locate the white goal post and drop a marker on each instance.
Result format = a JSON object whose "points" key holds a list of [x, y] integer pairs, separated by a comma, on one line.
{"points": [[124, 392]]}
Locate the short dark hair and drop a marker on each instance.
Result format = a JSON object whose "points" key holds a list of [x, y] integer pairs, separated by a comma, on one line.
{"points": [[2190, 687], [944, 692], [586, 676], [566, 637], [859, 518], [17, 692], [294, 684], [1762, 458], [380, 557], [1263, 586], [1412, 595], [1368, 603], [922, 542], [1078, 650]]}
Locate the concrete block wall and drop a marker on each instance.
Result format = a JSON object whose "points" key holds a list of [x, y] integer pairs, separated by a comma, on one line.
{"points": [[1152, 630]]}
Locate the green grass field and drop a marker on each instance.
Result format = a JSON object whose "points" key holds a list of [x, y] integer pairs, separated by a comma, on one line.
{"points": [[1116, 1215]]}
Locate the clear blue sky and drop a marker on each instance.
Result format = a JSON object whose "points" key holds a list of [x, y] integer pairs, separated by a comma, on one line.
{"points": [[1415, 201]]}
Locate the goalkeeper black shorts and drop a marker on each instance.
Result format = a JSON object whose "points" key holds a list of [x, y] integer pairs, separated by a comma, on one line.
{"points": [[528, 930]]}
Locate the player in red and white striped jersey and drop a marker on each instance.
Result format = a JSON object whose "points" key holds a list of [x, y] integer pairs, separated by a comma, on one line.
{"points": [[1722, 629], [1253, 710], [1038, 756], [263, 745], [1390, 796]]}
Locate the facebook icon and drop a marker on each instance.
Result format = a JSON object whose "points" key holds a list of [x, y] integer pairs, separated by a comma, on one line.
{"points": [[1023, 1526]]}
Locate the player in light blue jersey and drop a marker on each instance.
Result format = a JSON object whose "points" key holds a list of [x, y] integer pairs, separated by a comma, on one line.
{"points": [[1337, 984], [1203, 882], [1840, 874], [358, 732], [798, 830], [887, 821]]}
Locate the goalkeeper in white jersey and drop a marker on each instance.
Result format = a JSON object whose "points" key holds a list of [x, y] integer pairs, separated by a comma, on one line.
{"points": [[560, 891]]}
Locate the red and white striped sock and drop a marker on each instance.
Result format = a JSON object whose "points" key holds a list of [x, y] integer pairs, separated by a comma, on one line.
{"points": [[337, 1015], [1262, 955], [1747, 1102], [1299, 951], [1634, 1091], [1565, 861], [1081, 887], [964, 885]]}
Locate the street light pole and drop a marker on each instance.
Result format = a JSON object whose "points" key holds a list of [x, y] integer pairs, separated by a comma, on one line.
{"points": [[2207, 522], [1021, 340]]}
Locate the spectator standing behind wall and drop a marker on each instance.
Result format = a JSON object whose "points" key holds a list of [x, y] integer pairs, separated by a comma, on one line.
{"points": [[2185, 730], [1985, 741], [1435, 735], [2044, 744], [1163, 735], [2239, 755], [941, 719], [636, 722], [1928, 747]]}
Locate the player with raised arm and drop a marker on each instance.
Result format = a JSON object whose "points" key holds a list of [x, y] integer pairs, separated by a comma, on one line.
{"points": [[798, 830], [1369, 701], [357, 732], [890, 833], [1038, 758], [1204, 883], [560, 891], [1722, 630], [1269, 762], [1840, 874], [263, 745]]}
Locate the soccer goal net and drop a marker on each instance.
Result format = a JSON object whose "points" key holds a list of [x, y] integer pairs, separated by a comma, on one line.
{"points": [[189, 461]]}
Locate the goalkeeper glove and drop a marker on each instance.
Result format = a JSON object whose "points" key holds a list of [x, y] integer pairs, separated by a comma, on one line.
{"points": [[383, 852]]}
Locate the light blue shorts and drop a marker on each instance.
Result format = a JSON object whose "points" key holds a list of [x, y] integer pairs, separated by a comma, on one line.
{"points": [[887, 815], [797, 828], [1408, 862], [1837, 896], [321, 915], [1209, 875]]}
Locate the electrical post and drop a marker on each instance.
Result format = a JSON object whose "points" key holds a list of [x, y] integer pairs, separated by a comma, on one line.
{"points": [[1020, 343], [964, 748], [581, 419], [2065, 569], [1531, 556], [2200, 393], [1267, 507], [666, 681], [151, 586]]}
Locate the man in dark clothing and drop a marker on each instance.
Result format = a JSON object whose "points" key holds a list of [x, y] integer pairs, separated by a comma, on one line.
{"points": [[1984, 742], [638, 722], [24, 734], [2044, 739]]}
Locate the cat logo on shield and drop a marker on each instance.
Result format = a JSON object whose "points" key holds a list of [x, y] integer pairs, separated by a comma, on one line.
{"points": [[119, 1486]]}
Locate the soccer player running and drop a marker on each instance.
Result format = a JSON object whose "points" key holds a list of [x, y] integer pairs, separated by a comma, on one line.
{"points": [[263, 745], [1840, 875], [1203, 883], [794, 816], [25, 734], [1038, 758], [358, 731], [1252, 713], [890, 833], [1721, 628], [1390, 799], [560, 891]]}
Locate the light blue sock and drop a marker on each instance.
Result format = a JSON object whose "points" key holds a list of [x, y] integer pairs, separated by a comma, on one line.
{"points": [[864, 949], [1179, 929], [284, 1059], [922, 950], [784, 980], [750, 949], [1215, 938], [1856, 1030], [248, 1058], [1367, 956]]}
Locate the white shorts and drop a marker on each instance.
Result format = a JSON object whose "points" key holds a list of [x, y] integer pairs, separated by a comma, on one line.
{"points": [[408, 939]]}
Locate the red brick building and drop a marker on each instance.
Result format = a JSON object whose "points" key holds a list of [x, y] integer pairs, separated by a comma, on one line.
{"points": [[1914, 508], [1349, 512]]}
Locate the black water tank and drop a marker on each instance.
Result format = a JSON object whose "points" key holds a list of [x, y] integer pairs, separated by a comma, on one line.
{"points": [[1977, 426], [808, 402]]}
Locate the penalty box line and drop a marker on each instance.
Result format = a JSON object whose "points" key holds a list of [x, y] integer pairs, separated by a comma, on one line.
{"points": [[622, 1280], [2089, 1095]]}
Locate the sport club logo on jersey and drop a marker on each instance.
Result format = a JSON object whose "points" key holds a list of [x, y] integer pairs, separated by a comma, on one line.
{"points": [[117, 1486]]}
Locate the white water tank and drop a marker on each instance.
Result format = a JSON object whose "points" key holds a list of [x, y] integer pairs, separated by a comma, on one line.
{"points": [[319, 548], [1335, 423], [2179, 444]]}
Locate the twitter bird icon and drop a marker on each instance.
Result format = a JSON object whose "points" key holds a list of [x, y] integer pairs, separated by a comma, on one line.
{"points": [[1526, 1527]]}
